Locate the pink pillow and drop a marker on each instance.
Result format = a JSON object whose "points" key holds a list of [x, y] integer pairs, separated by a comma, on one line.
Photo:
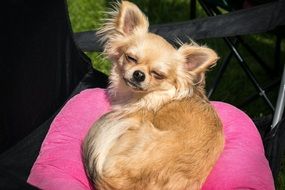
{"points": [[59, 166]]}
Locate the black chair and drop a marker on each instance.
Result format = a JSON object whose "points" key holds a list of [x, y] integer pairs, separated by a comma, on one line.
{"points": [[211, 7], [42, 67]]}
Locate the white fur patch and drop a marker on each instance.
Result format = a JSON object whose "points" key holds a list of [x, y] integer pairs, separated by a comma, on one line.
{"points": [[106, 134]]}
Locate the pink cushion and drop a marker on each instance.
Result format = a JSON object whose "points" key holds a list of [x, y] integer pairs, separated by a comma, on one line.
{"points": [[59, 166]]}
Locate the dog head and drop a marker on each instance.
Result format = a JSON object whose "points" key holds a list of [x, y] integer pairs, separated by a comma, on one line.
{"points": [[144, 62]]}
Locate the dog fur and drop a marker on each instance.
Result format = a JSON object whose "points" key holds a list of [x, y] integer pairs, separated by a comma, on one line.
{"points": [[162, 132]]}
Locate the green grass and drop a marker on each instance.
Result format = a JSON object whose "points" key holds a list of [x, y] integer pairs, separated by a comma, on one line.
{"points": [[234, 86]]}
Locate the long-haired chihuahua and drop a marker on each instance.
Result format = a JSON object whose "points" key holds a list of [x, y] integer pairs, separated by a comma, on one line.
{"points": [[162, 132]]}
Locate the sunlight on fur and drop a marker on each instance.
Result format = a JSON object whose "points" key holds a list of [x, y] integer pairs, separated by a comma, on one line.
{"points": [[162, 132]]}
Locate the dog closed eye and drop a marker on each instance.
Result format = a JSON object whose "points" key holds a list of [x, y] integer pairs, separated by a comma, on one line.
{"points": [[131, 58], [157, 75]]}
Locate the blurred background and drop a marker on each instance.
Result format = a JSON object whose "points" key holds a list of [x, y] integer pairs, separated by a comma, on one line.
{"points": [[234, 87]]}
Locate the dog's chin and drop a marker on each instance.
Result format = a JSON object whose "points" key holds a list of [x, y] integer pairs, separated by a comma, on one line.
{"points": [[134, 86]]}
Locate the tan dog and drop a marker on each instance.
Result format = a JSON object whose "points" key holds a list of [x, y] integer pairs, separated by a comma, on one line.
{"points": [[162, 132]]}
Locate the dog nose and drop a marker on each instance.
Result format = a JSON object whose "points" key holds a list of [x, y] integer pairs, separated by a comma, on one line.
{"points": [[138, 76]]}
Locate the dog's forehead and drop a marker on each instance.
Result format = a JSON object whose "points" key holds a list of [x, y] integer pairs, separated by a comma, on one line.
{"points": [[152, 47], [156, 43]]}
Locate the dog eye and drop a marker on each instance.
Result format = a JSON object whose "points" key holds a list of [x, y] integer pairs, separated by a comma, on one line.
{"points": [[130, 58], [157, 75]]}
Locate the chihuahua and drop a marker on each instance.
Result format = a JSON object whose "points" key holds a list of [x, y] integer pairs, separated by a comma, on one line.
{"points": [[162, 132]]}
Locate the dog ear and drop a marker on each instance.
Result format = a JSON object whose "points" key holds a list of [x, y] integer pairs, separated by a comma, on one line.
{"points": [[198, 58], [130, 19]]}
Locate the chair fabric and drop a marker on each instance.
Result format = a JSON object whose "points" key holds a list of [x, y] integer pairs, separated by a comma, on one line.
{"points": [[40, 66]]}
